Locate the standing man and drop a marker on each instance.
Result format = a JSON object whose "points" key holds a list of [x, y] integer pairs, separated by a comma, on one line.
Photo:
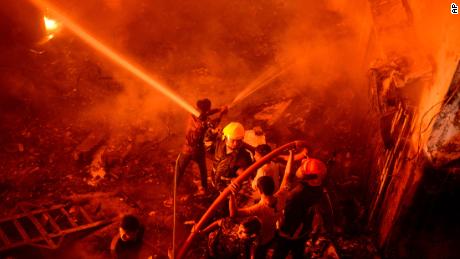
{"points": [[269, 169], [296, 222], [268, 210], [230, 155], [193, 148]]}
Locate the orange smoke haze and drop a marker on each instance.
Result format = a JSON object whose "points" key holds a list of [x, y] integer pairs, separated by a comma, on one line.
{"points": [[215, 49], [109, 53]]}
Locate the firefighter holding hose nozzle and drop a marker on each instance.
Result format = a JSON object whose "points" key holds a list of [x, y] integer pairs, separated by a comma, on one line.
{"points": [[193, 148]]}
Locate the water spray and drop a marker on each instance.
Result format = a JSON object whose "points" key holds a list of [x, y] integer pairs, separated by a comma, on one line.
{"points": [[264, 79], [111, 54]]}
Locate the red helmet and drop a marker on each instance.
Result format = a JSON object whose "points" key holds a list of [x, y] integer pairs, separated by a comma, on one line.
{"points": [[312, 171]]}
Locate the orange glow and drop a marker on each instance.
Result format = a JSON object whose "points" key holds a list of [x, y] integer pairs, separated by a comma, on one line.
{"points": [[112, 55], [50, 24]]}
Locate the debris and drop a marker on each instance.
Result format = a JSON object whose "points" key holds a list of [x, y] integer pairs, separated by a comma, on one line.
{"points": [[51, 224], [96, 168], [359, 247], [322, 247], [91, 142], [168, 203], [184, 198]]}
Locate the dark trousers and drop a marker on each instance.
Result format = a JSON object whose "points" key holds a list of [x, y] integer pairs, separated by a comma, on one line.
{"points": [[261, 250], [183, 160], [283, 246]]}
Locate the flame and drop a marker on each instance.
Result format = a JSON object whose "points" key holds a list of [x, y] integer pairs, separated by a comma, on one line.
{"points": [[50, 24]]}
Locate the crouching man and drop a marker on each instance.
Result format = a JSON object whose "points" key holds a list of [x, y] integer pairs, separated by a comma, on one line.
{"points": [[128, 242]]}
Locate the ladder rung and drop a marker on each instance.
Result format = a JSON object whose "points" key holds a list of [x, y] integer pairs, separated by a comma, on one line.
{"points": [[21, 230], [85, 215], [68, 217], [42, 231], [52, 222]]}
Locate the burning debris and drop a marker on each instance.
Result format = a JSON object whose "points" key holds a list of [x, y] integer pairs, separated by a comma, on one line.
{"points": [[96, 169]]}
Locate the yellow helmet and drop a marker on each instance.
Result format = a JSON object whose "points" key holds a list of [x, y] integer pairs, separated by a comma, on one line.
{"points": [[234, 130]]}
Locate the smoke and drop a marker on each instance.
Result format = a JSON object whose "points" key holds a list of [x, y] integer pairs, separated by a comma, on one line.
{"points": [[199, 49], [325, 39], [215, 49], [202, 49]]}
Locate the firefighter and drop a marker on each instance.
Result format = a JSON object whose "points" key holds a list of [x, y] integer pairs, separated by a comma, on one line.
{"points": [[296, 222], [230, 155], [193, 148]]}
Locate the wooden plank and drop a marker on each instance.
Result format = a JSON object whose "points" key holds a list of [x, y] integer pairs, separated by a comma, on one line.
{"points": [[85, 215], [69, 218], [21, 230]]}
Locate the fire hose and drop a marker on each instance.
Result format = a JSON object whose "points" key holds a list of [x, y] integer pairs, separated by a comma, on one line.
{"points": [[226, 192]]}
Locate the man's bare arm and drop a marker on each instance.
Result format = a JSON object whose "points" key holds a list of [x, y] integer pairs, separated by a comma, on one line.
{"points": [[211, 227], [287, 172], [233, 207]]}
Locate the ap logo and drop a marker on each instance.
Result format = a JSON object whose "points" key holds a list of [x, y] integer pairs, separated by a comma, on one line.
{"points": [[453, 8]]}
